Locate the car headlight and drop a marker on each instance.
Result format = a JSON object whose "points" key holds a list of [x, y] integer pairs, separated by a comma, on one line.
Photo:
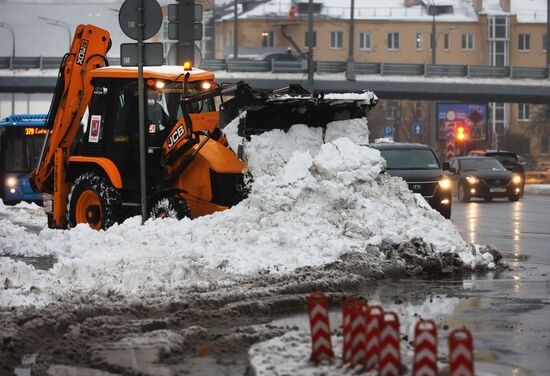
{"points": [[472, 179], [445, 183], [516, 179], [11, 181]]}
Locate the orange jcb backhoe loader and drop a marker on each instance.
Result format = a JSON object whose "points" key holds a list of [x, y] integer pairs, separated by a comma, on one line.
{"points": [[94, 178], [92, 175]]}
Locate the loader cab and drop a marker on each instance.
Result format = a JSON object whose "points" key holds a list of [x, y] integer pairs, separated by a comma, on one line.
{"points": [[113, 123]]}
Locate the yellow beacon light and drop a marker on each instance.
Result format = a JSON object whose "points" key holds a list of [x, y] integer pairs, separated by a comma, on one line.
{"points": [[187, 65]]}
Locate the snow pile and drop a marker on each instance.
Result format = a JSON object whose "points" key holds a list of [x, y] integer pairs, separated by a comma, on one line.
{"points": [[537, 189], [312, 201]]}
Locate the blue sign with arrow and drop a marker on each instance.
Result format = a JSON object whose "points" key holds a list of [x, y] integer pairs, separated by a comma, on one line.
{"points": [[417, 128]]}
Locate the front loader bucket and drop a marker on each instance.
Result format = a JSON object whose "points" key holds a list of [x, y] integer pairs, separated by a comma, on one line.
{"points": [[283, 113], [283, 108]]}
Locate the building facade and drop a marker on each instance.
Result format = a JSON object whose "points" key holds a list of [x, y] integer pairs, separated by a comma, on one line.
{"points": [[478, 32]]}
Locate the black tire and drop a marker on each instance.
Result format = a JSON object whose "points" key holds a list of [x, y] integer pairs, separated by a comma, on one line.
{"points": [[170, 207], [445, 211], [487, 199], [109, 210], [462, 195], [514, 197]]}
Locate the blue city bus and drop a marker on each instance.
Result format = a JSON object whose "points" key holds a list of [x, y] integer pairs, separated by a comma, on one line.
{"points": [[21, 140]]}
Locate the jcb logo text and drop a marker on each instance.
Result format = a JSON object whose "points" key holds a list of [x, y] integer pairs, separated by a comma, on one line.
{"points": [[178, 133]]}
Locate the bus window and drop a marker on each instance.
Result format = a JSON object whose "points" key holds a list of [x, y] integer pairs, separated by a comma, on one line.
{"points": [[22, 152]]}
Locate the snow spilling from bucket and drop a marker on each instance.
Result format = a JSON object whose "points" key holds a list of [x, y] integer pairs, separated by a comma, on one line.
{"points": [[314, 198]]}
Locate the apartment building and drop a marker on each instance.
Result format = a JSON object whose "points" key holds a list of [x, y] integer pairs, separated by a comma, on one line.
{"points": [[475, 32]]}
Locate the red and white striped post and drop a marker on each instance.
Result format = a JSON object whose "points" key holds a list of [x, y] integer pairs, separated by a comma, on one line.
{"points": [[425, 348], [461, 353], [390, 358], [374, 321], [321, 344], [346, 325], [358, 334]]}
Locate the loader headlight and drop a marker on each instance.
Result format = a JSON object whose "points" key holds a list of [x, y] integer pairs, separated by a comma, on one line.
{"points": [[206, 85], [516, 179], [472, 179], [445, 183], [11, 181]]}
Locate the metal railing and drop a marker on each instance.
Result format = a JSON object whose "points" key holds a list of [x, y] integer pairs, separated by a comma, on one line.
{"points": [[327, 67]]}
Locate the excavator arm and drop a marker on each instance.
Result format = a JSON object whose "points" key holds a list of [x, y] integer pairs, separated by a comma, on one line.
{"points": [[71, 97]]}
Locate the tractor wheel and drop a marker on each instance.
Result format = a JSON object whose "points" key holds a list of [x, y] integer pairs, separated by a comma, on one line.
{"points": [[170, 207], [462, 195], [94, 200]]}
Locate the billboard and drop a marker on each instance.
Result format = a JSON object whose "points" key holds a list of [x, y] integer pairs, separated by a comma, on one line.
{"points": [[473, 117]]}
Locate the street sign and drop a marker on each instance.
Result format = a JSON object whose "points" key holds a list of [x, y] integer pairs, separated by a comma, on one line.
{"points": [[153, 54], [152, 18], [389, 130], [172, 57], [417, 128]]}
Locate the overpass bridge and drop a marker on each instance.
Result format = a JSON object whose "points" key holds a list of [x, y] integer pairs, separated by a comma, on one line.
{"points": [[389, 81]]}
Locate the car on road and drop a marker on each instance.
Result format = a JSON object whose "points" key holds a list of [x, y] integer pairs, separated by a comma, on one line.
{"points": [[483, 177], [419, 166], [510, 160]]}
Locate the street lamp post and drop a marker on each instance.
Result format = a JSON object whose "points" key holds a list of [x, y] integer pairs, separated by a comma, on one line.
{"points": [[8, 27], [59, 23], [350, 66], [12, 32]]}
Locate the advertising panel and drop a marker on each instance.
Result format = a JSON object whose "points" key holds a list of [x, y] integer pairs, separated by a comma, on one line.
{"points": [[473, 117]]}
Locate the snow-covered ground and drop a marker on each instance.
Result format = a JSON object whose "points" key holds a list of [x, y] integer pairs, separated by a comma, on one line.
{"points": [[315, 197], [537, 189]]}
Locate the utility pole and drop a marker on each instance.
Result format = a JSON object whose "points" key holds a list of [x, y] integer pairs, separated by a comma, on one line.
{"points": [[548, 34], [141, 114], [12, 32], [310, 45], [434, 37], [235, 31], [350, 66]]}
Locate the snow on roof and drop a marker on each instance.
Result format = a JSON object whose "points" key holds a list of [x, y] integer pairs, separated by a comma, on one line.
{"points": [[529, 11], [463, 11]]}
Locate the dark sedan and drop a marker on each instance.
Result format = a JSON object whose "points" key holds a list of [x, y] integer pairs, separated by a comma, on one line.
{"points": [[418, 165], [485, 178]]}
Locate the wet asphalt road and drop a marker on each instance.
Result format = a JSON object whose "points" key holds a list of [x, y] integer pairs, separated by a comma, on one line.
{"points": [[508, 312]]}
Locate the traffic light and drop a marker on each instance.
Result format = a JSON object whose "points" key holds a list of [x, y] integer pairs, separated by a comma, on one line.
{"points": [[460, 135]]}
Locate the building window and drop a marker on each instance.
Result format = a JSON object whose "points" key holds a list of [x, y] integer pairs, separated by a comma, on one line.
{"points": [[268, 39], [365, 40], [544, 145], [393, 41], [314, 45], [524, 41], [499, 31], [523, 112], [336, 39], [446, 42], [544, 43], [229, 39], [419, 41], [467, 41], [499, 117]]}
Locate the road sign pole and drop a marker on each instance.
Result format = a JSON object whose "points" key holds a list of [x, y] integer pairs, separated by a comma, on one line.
{"points": [[186, 31], [141, 99]]}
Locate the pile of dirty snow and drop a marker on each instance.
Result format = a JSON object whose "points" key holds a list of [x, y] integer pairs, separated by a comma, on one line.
{"points": [[315, 197]]}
